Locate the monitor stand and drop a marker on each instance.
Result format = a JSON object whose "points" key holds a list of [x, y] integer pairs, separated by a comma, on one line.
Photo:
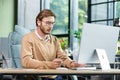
{"points": [[104, 62]]}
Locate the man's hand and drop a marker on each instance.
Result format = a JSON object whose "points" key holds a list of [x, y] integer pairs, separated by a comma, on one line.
{"points": [[56, 63], [75, 64]]}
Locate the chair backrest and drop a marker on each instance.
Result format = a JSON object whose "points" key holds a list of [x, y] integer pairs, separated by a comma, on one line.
{"points": [[14, 42]]}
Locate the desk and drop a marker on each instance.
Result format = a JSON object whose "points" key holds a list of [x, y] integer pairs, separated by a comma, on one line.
{"points": [[56, 72]]}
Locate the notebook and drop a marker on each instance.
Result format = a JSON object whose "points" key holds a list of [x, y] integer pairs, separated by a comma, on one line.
{"points": [[103, 59]]}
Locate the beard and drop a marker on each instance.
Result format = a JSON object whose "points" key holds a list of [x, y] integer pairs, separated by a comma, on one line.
{"points": [[45, 31]]}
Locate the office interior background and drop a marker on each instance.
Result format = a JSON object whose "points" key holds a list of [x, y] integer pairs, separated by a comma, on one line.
{"points": [[71, 14]]}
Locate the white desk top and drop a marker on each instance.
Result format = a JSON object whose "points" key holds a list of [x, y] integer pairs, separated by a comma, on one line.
{"points": [[56, 72]]}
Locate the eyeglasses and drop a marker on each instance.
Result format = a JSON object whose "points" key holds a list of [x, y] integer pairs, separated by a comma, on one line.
{"points": [[48, 23]]}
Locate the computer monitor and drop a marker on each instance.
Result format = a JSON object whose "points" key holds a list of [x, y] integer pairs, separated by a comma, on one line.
{"points": [[96, 36]]}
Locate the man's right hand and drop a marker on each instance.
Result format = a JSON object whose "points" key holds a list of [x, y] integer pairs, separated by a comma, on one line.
{"points": [[56, 63]]}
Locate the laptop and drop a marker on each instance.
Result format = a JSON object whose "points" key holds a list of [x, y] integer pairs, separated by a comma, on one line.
{"points": [[103, 59]]}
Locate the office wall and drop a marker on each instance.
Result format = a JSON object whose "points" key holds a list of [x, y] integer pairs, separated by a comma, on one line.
{"points": [[6, 17], [6, 24]]}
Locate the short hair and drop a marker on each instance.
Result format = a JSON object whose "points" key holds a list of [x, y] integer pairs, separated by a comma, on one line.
{"points": [[44, 13]]}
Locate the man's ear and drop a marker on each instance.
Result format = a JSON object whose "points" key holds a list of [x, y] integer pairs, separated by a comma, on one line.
{"points": [[38, 22]]}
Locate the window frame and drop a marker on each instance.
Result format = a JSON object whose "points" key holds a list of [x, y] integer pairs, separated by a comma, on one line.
{"points": [[108, 19]]}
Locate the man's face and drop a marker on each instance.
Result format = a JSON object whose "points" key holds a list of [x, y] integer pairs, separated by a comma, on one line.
{"points": [[47, 25]]}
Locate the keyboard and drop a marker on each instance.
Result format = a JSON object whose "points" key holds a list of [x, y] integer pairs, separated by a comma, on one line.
{"points": [[86, 68], [78, 68], [61, 68]]}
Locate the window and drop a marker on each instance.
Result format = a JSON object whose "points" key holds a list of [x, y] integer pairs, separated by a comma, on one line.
{"points": [[117, 9], [61, 9], [61, 27], [101, 11], [82, 14]]}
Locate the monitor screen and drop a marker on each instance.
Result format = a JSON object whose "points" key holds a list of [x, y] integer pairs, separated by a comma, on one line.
{"points": [[96, 36]]}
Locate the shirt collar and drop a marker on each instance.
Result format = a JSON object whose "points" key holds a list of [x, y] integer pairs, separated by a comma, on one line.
{"points": [[47, 37]]}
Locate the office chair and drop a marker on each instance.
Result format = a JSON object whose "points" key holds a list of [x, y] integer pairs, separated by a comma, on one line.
{"points": [[14, 48]]}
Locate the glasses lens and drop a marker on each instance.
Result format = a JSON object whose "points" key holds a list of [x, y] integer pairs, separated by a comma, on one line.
{"points": [[49, 23]]}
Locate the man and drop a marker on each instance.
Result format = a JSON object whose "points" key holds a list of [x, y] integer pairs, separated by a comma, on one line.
{"points": [[41, 50]]}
